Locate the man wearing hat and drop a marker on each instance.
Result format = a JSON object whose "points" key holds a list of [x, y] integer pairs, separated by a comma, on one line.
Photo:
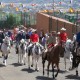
{"points": [[63, 36], [34, 37], [52, 39]]}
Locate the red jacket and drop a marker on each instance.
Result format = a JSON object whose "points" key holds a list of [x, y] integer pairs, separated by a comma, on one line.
{"points": [[63, 37], [34, 37]]}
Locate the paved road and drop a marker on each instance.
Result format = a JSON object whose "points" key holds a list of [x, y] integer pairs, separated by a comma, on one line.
{"points": [[14, 71]]}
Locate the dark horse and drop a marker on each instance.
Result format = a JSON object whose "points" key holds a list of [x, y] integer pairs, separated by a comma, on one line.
{"points": [[53, 57], [76, 58]]}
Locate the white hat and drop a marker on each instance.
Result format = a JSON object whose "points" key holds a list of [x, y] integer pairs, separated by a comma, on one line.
{"points": [[63, 29], [33, 30]]}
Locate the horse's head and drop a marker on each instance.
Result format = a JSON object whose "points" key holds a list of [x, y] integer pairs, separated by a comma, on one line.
{"points": [[68, 45], [37, 49], [6, 41], [23, 44], [44, 55]]}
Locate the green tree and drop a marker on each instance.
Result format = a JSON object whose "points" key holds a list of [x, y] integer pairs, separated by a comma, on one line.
{"points": [[11, 20]]}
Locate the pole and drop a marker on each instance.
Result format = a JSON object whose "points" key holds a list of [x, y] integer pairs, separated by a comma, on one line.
{"points": [[76, 21], [53, 7], [29, 21]]}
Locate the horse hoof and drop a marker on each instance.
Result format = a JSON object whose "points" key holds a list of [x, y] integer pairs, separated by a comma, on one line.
{"points": [[24, 63], [32, 65], [37, 70], [76, 73], [66, 70], [3, 61], [55, 75]]}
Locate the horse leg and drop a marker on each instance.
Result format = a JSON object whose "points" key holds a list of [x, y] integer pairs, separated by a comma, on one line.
{"points": [[43, 67], [5, 59], [70, 65], [48, 68], [18, 57], [25, 59], [32, 61], [65, 63], [37, 59], [29, 62], [22, 58], [53, 70], [77, 68], [57, 64], [77, 71]]}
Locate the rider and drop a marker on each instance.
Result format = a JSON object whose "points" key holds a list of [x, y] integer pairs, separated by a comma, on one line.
{"points": [[52, 39], [21, 35], [63, 36], [78, 38], [34, 39]]}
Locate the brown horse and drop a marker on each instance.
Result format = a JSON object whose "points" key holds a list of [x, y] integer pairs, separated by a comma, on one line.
{"points": [[53, 57]]}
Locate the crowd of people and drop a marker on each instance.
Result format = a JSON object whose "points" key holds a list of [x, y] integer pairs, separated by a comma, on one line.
{"points": [[32, 35]]}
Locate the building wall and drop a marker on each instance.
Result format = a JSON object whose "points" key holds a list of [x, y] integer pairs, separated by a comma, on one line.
{"points": [[57, 23], [42, 22]]}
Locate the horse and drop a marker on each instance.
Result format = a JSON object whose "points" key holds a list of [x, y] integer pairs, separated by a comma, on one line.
{"points": [[35, 52], [67, 52], [5, 48], [76, 58], [22, 52], [53, 57]]}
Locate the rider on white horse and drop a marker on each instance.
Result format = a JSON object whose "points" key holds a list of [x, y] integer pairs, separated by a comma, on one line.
{"points": [[34, 38], [22, 52]]}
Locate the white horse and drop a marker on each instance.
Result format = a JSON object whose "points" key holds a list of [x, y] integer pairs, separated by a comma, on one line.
{"points": [[67, 53], [35, 53], [5, 48], [22, 52]]}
